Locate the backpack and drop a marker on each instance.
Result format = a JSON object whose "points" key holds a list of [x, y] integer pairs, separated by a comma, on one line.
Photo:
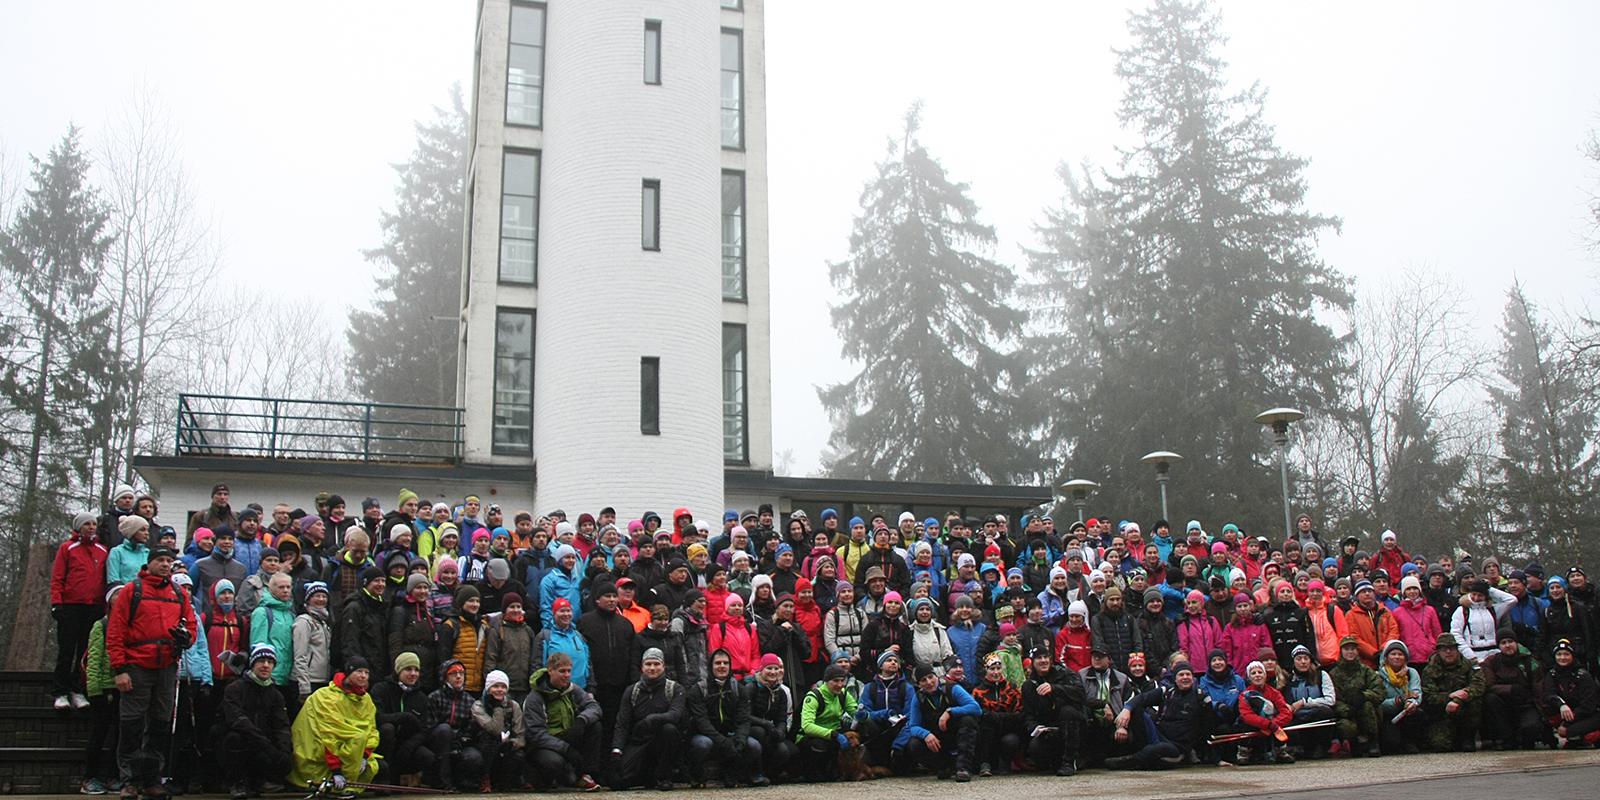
{"points": [[671, 690]]}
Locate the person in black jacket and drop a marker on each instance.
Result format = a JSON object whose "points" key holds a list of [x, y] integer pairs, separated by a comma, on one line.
{"points": [[461, 765], [255, 725], [720, 729], [1165, 723], [363, 621], [650, 725], [887, 632], [563, 726], [659, 634], [610, 638], [1052, 711], [408, 738], [771, 714], [1289, 624]]}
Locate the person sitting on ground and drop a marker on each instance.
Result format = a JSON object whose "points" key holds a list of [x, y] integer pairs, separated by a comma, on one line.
{"points": [[826, 714], [335, 736], [720, 722], [501, 735], [256, 746], [1452, 692], [649, 727], [1263, 709], [941, 736], [408, 739], [563, 722], [1053, 708], [1570, 698], [1166, 723]]}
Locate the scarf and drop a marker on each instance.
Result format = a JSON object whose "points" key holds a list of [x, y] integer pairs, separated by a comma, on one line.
{"points": [[1400, 680]]}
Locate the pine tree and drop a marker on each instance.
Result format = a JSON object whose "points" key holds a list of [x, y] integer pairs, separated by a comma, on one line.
{"points": [[1189, 287], [403, 349], [1550, 466], [924, 311], [56, 375]]}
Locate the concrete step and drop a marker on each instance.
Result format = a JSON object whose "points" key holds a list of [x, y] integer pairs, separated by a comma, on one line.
{"points": [[40, 770], [30, 726]]}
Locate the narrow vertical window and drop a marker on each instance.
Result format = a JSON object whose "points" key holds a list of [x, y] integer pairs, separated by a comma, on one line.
{"points": [[652, 51], [650, 396], [519, 217], [735, 396], [525, 66], [650, 215], [732, 89], [733, 235], [513, 381]]}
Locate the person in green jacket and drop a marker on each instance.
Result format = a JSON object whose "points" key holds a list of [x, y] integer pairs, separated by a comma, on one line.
{"points": [[125, 560], [1357, 693], [1452, 697], [99, 761], [826, 714], [273, 623]]}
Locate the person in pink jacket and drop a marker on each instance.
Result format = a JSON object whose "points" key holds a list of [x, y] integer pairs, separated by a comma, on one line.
{"points": [[1198, 632], [1419, 621], [1327, 623], [735, 635], [1244, 636]]}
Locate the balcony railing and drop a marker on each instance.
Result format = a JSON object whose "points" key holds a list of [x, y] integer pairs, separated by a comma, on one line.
{"points": [[321, 430]]}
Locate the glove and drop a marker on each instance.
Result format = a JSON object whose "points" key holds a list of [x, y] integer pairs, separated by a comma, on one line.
{"points": [[181, 637], [843, 741], [339, 781]]}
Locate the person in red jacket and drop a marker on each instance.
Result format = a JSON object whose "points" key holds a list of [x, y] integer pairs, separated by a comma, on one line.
{"points": [[150, 624], [1262, 707], [1390, 558], [77, 599]]}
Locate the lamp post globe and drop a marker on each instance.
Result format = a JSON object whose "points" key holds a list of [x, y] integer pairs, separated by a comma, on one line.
{"points": [[1278, 420], [1163, 461], [1079, 490]]}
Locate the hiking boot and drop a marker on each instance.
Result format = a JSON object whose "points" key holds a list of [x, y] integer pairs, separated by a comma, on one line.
{"points": [[1244, 756], [760, 781], [239, 791], [1120, 762], [91, 786], [1068, 768], [664, 785], [1280, 755], [587, 783], [155, 791], [962, 776], [129, 792], [985, 771]]}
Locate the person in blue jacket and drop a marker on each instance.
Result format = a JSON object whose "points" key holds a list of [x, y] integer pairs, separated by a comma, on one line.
{"points": [[941, 732], [885, 706], [966, 632], [1222, 686], [562, 581]]}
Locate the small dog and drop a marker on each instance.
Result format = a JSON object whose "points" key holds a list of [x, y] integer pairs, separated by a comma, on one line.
{"points": [[853, 760]]}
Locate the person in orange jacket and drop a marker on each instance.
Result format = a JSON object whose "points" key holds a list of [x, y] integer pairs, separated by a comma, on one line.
{"points": [[1371, 624]]}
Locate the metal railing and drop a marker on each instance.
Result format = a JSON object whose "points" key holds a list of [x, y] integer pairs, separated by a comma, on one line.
{"points": [[282, 428]]}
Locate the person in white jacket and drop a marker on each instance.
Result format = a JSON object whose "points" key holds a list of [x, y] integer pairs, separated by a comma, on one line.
{"points": [[930, 644], [1475, 622]]}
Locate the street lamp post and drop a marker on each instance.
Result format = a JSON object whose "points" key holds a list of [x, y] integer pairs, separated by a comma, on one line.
{"points": [[1279, 419], [1080, 489], [1163, 460]]}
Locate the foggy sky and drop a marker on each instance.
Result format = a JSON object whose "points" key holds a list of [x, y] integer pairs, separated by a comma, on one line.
{"points": [[1443, 134]]}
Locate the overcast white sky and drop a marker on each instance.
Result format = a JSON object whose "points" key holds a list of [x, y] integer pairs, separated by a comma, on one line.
{"points": [[1445, 134]]}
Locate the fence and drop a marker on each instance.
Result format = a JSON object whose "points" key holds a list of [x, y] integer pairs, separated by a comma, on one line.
{"points": [[281, 428]]}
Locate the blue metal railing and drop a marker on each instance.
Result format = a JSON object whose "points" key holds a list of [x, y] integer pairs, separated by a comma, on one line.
{"points": [[283, 428]]}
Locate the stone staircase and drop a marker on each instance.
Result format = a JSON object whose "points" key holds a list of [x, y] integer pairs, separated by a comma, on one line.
{"points": [[41, 749]]}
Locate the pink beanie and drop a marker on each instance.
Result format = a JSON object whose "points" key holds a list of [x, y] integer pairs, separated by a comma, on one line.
{"points": [[731, 600], [1316, 586], [771, 660], [1195, 594], [892, 597], [1219, 548]]}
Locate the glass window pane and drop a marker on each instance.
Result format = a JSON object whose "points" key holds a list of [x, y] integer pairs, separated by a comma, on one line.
{"points": [[650, 395], [525, 66], [733, 235], [652, 52], [519, 217], [732, 89], [734, 418], [512, 415], [649, 217], [522, 173], [527, 25]]}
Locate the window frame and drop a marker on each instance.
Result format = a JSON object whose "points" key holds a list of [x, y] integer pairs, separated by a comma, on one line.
{"points": [[653, 243], [744, 242], [500, 252], [544, 29], [744, 393], [652, 26], [722, 70], [650, 395], [495, 445]]}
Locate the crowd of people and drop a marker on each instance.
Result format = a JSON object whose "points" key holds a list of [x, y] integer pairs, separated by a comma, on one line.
{"points": [[457, 647]]}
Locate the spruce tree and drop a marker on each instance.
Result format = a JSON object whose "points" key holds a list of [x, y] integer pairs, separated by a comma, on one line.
{"points": [[1190, 289], [56, 375], [924, 312], [403, 345], [1549, 467]]}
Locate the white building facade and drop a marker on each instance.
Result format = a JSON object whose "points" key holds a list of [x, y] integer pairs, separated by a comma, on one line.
{"points": [[615, 307]]}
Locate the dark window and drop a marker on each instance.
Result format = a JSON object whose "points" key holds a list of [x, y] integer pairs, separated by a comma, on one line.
{"points": [[732, 89], [650, 396], [519, 217], [650, 215], [525, 66], [652, 51], [733, 249], [735, 397], [513, 381]]}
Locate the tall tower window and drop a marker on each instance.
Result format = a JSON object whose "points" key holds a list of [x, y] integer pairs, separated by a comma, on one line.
{"points": [[519, 217], [735, 397], [513, 381], [652, 51], [650, 396], [525, 66], [650, 215], [733, 235], [732, 89]]}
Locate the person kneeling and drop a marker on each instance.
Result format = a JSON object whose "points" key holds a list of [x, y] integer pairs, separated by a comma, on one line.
{"points": [[649, 726], [942, 732], [408, 739], [720, 722], [335, 735], [461, 766], [255, 742], [500, 734], [826, 713], [1053, 702], [563, 720]]}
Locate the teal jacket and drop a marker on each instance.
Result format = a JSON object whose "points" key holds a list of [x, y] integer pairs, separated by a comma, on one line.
{"points": [[273, 623], [124, 562]]}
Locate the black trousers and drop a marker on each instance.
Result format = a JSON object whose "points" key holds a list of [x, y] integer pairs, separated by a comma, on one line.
{"points": [[655, 759], [773, 752], [1050, 749], [254, 757], [956, 747], [72, 641], [99, 755], [878, 737], [1512, 723], [999, 740], [562, 769]]}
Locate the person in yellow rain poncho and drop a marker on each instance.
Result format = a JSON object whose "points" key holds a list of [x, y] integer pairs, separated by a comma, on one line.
{"points": [[337, 731]]}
